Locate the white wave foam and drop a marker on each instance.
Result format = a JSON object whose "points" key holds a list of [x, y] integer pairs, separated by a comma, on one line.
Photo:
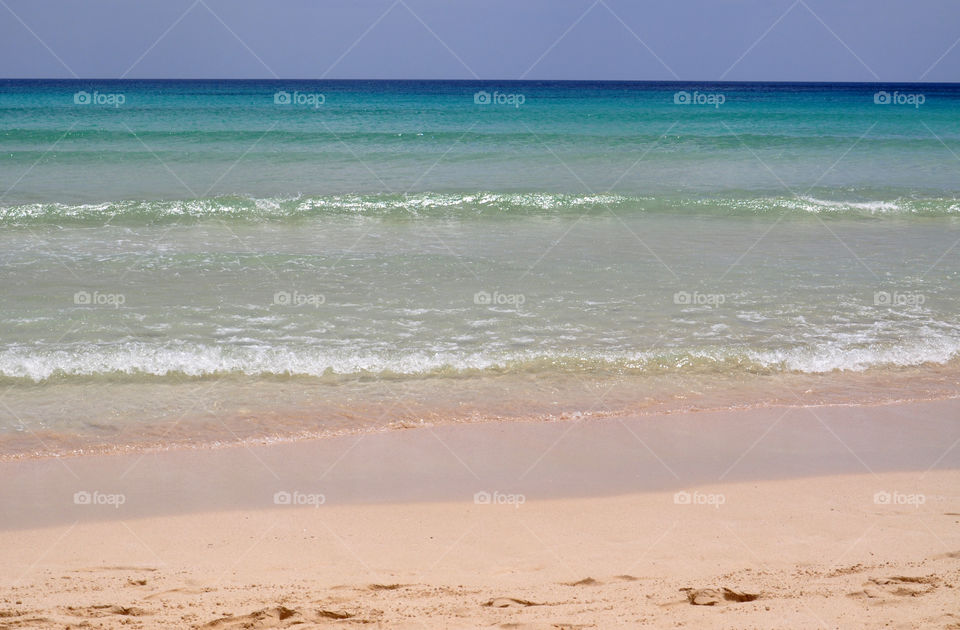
{"points": [[198, 360], [424, 203], [194, 360], [830, 357]]}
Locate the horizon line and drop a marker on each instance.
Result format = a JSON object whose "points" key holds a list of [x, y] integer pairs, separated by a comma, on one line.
{"points": [[474, 81]]}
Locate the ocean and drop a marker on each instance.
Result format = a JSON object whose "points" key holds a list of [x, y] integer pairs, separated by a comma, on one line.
{"points": [[194, 263]]}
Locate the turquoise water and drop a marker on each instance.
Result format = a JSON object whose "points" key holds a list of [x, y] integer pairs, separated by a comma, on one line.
{"points": [[190, 140], [375, 241]]}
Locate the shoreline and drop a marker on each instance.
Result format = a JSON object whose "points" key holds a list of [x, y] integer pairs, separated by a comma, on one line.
{"points": [[572, 458], [164, 444], [837, 517]]}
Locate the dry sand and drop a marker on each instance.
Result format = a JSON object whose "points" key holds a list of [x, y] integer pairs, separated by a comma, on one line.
{"points": [[786, 518]]}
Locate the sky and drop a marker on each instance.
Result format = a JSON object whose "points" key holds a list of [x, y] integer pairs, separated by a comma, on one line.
{"points": [[697, 40]]}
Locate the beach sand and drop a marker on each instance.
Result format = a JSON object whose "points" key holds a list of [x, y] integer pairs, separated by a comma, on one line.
{"points": [[829, 517]]}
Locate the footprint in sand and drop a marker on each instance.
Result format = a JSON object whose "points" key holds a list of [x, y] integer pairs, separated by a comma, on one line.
{"points": [[279, 617], [896, 586], [712, 597]]}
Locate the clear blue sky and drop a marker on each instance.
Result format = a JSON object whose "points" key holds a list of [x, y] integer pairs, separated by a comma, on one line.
{"points": [[787, 40]]}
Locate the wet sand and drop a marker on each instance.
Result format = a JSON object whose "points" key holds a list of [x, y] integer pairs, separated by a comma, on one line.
{"points": [[808, 517]]}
